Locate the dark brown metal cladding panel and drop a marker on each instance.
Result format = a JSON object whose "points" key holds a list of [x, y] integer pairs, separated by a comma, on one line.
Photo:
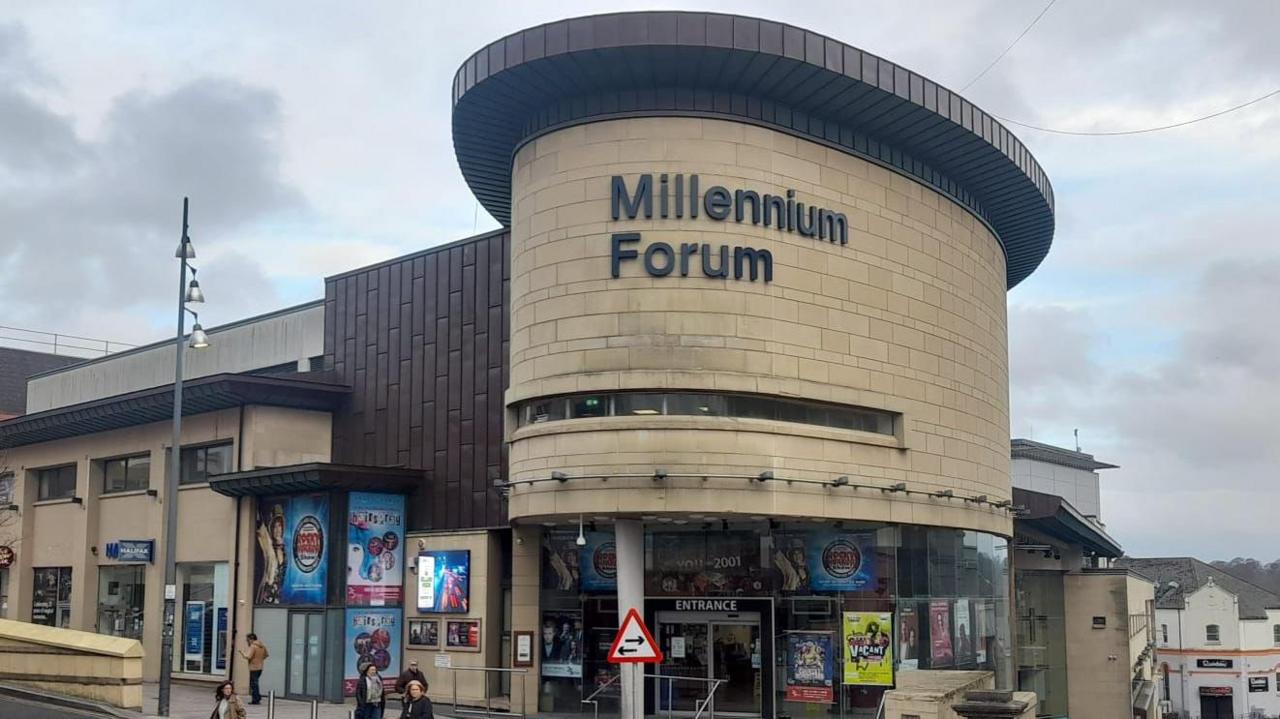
{"points": [[391, 289], [330, 317]]}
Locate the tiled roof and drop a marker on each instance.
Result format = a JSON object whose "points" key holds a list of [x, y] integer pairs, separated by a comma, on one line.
{"points": [[1191, 574]]}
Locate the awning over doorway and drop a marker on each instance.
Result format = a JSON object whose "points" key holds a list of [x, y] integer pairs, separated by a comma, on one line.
{"points": [[314, 477]]}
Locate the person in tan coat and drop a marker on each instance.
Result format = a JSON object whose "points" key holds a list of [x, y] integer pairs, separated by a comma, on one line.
{"points": [[255, 652]]}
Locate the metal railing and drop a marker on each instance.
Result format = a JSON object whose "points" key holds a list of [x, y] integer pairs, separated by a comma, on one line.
{"points": [[595, 703], [488, 696], [58, 343], [699, 705]]}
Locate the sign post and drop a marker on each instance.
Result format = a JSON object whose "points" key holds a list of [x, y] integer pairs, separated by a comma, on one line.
{"points": [[633, 643]]}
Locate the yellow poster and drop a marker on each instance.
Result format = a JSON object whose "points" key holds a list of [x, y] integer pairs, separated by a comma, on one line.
{"points": [[868, 648]]}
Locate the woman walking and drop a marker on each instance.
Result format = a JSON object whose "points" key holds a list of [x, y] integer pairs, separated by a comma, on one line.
{"points": [[370, 700], [416, 703], [227, 705]]}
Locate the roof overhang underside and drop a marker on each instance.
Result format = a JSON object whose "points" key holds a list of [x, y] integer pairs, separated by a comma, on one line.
{"points": [[206, 394], [749, 70], [316, 477], [1055, 517]]}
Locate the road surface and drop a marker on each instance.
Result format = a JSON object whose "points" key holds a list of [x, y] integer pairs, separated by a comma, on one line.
{"points": [[11, 708]]}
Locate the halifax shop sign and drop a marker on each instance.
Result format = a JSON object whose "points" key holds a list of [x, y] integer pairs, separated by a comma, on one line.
{"points": [[781, 212]]}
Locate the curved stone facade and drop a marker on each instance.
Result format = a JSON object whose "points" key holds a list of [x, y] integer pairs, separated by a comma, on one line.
{"points": [[908, 317]]}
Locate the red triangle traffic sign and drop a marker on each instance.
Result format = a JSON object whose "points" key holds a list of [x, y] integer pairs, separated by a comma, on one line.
{"points": [[634, 644]]}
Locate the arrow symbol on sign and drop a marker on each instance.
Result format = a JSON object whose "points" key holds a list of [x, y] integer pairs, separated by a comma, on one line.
{"points": [[634, 640], [624, 650]]}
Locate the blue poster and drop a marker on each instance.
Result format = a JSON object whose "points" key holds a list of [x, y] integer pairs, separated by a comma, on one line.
{"points": [[598, 563], [444, 581], [193, 638], [221, 634], [375, 550], [372, 636], [841, 561], [810, 668], [306, 549]]}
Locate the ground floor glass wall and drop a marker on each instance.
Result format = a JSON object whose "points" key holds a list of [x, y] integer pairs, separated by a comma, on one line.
{"points": [[121, 594], [51, 596], [812, 605], [4, 593], [203, 592], [1042, 640]]}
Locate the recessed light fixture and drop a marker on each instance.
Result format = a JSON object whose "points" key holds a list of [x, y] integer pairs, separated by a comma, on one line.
{"points": [[681, 521], [645, 411], [664, 520], [648, 517]]}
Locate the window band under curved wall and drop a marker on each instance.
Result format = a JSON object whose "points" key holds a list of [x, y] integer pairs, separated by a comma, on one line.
{"points": [[704, 404]]}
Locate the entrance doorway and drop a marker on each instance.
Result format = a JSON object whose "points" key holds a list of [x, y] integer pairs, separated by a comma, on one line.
{"points": [[1215, 707], [706, 648], [306, 645]]}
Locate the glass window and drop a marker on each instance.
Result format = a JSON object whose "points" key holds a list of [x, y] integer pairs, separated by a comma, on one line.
{"points": [[7, 483], [203, 611], [1164, 633], [51, 596], [56, 482], [4, 593], [1211, 633], [1042, 645], [594, 405], [1275, 634], [120, 598], [637, 404], [625, 404], [200, 463], [126, 474]]}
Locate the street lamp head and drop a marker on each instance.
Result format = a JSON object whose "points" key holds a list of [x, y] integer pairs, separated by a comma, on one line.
{"points": [[194, 293], [199, 340], [185, 249]]}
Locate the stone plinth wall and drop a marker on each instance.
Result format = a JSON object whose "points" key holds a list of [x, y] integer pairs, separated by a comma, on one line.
{"points": [[67, 661]]}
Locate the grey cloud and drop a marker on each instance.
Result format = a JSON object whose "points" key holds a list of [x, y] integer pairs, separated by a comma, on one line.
{"points": [[91, 222]]}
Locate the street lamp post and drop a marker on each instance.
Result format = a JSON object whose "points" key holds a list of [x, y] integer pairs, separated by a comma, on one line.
{"points": [[187, 293]]}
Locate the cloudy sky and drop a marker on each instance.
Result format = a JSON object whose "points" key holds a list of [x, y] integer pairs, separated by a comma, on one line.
{"points": [[314, 137]]}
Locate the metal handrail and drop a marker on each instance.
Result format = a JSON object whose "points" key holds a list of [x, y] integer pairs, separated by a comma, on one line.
{"points": [[488, 707], [699, 707], [595, 704]]}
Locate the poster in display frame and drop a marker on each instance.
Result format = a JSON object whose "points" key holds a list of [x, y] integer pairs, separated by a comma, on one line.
{"points": [[963, 644], [598, 563], [292, 536], [424, 633], [868, 642], [193, 635], [522, 649], [462, 635], [810, 670], [371, 635], [908, 633], [562, 643], [841, 561], [375, 549], [941, 653], [444, 581]]}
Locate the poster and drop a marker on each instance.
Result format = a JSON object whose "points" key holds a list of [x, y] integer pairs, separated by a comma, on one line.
{"points": [[193, 636], [292, 538], [375, 549], [719, 563], [372, 635], [444, 581], [598, 563], [841, 561], [221, 652], [940, 634], [810, 673], [560, 557], [868, 641], [424, 633], [562, 643], [983, 620], [463, 634], [964, 636], [908, 638]]}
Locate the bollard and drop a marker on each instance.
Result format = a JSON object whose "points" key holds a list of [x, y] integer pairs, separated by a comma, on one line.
{"points": [[271, 704], [315, 709]]}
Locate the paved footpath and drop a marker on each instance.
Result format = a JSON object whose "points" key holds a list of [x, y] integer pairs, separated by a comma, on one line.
{"points": [[195, 701]]}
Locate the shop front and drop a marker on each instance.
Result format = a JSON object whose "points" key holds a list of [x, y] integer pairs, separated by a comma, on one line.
{"points": [[328, 573], [778, 618]]}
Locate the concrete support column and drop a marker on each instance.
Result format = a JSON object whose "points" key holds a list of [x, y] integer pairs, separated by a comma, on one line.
{"points": [[629, 537], [526, 582]]}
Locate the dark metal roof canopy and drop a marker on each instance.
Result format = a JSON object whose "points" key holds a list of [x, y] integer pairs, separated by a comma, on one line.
{"points": [[206, 394], [646, 64], [314, 477], [1040, 452], [1054, 516]]}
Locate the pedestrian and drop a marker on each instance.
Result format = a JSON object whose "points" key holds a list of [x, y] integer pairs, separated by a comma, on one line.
{"points": [[256, 655], [226, 704], [370, 701], [416, 703], [410, 674]]}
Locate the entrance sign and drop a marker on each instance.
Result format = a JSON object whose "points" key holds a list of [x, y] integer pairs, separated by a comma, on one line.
{"points": [[634, 644]]}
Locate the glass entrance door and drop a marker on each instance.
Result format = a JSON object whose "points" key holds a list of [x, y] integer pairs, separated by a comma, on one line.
{"points": [[700, 648], [306, 638], [736, 663]]}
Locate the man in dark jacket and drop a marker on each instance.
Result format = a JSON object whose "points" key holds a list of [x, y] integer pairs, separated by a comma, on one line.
{"points": [[412, 673]]}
